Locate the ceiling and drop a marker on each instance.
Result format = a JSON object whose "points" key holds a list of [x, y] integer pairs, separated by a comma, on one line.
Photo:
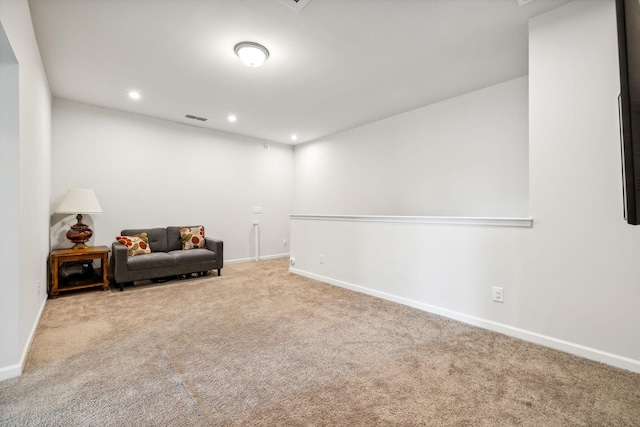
{"points": [[333, 66]]}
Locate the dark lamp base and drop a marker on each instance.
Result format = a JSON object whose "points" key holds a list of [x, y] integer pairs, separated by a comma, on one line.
{"points": [[79, 234]]}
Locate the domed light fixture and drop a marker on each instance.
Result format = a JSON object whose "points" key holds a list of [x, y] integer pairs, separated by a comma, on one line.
{"points": [[252, 54]]}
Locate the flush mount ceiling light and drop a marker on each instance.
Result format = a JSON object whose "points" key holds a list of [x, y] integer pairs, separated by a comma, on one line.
{"points": [[252, 54]]}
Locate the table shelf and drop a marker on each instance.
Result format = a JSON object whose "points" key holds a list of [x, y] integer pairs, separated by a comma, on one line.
{"points": [[59, 257]]}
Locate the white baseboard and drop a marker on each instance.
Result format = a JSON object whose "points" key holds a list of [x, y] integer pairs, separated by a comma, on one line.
{"points": [[12, 371], [534, 337], [262, 258]]}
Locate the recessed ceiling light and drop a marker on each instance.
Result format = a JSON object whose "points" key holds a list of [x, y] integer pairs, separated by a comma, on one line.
{"points": [[232, 118], [251, 54], [294, 137], [134, 95]]}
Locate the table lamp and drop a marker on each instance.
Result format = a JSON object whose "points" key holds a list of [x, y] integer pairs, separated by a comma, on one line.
{"points": [[79, 200]]}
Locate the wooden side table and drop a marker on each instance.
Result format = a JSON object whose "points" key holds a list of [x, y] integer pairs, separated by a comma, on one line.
{"points": [[59, 256]]}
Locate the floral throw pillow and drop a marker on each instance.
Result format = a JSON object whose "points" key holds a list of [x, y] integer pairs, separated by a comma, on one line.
{"points": [[192, 237], [143, 236], [136, 245]]}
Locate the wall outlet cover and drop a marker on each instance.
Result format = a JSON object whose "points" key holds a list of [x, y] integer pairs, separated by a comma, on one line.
{"points": [[497, 294]]}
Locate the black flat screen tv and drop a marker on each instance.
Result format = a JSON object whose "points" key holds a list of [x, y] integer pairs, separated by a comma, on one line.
{"points": [[628, 19]]}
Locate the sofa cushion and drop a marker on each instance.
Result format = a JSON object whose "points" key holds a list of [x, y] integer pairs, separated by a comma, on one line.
{"points": [[136, 245], [193, 255], [157, 237], [174, 242], [152, 260], [192, 237]]}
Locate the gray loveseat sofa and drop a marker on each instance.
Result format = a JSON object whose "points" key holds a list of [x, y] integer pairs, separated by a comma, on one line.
{"points": [[167, 258]]}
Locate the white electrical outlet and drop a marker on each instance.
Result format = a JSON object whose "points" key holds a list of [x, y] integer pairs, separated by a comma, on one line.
{"points": [[284, 242], [497, 293], [38, 284], [321, 259]]}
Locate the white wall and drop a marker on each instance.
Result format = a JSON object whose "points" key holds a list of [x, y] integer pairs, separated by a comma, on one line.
{"points": [[27, 191], [466, 156], [154, 173], [582, 260], [571, 281], [10, 193]]}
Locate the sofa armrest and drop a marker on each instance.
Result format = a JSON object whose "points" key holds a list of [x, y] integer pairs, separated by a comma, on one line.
{"points": [[216, 246], [119, 256]]}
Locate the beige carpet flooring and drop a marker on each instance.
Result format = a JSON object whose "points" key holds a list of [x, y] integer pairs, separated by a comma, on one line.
{"points": [[261, 347]]}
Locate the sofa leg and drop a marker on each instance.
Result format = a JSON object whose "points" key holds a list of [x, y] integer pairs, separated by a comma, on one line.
{"points": [[219, 271]]}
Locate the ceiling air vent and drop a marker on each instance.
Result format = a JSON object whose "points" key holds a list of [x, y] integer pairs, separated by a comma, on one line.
{"points": [[296, 5], [192, 117]]}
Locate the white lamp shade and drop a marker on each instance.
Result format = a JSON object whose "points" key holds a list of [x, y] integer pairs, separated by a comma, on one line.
{"points": [[251, 54], [79, 200]]}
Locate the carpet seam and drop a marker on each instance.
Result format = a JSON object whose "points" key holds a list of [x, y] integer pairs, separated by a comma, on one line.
{"points": [[182, 385]]}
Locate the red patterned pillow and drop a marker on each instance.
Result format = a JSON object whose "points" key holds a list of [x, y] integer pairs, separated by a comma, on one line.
{"points": [[137, 245], [192, 238]]}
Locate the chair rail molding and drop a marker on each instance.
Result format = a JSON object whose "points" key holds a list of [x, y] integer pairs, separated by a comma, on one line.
{"points": [[524, 222]]}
